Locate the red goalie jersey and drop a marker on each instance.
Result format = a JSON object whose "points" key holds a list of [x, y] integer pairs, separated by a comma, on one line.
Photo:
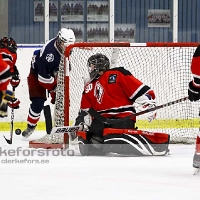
{"points": [[113, 93]]}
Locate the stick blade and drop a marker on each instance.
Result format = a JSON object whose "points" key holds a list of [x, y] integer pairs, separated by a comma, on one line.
{"points": [[48, 118], [8, 141]]}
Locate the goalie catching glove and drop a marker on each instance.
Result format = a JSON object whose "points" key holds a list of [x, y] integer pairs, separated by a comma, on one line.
{"points": [[84, 126], [146, 102]]}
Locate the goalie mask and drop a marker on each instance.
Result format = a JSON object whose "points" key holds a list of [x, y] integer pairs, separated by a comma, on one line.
{"points": [[65, 37], [96, 64]]}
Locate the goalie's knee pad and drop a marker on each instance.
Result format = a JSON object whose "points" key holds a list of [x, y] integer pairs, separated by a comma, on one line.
{"points": [[83, 143], [94, 146], [96, 142], [135, 142]]}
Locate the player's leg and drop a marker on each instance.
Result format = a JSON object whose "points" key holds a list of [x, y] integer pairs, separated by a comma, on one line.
{"points": [[196, 158], [95, 134], [37, 95], [35, 109], [91, 142]]}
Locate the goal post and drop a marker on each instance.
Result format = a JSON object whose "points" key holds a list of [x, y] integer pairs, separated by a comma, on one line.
{"points": [[165, 67]]}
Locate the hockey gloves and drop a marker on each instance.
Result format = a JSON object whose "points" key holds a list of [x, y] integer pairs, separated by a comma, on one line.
{"points": [[146, 102], [3, 110], [193, 92], [5, 96], [14, 103], [15, 77]]}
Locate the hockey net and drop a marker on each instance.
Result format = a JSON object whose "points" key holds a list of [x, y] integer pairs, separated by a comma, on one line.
{"points": [[165, 67]]}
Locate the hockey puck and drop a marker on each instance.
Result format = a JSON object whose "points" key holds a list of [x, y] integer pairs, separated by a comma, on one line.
{"points": [[18, 131]]}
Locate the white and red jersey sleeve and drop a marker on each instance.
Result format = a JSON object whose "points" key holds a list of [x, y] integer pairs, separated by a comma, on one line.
{"points": [[195, 68], [5, 74], [9, 58]]}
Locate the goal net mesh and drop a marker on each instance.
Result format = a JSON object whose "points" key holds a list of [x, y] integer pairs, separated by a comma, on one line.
{"points": [[165, 68]]}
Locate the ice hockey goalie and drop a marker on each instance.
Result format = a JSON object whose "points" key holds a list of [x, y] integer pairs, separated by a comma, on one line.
{"points": [[126, 141], [112, 93]]}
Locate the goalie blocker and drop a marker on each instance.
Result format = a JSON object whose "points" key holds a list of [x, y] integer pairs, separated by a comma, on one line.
{"points": [[127, 142]]}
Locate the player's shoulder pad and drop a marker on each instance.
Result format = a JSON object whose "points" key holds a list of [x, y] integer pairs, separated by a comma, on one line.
{"points": [[121, 70], [36, 52]]}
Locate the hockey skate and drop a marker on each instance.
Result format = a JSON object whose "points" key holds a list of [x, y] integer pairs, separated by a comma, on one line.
{"points": [[27, 132], [196, 163]]}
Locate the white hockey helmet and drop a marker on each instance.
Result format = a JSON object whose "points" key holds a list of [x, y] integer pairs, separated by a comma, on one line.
{"points": [[65, 37]]}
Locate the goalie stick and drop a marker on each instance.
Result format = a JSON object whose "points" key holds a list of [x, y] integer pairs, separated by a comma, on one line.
{"points": [[65, 129], [50, 129], [95, 114], [99, 117]]}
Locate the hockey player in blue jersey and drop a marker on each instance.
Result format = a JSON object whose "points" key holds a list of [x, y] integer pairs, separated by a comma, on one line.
{"points": [[44, 65]]}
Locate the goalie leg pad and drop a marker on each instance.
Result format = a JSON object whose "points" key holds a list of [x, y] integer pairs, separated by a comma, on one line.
{"points": [[83, 143], [91, 146], [135, 142]]}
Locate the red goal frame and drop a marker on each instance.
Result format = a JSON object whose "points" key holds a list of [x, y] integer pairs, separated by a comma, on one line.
{"points": [[86, 45]]}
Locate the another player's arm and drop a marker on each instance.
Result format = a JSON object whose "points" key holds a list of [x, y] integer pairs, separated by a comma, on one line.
{"points": [[15, 80], [45, 79], [194, 85]]}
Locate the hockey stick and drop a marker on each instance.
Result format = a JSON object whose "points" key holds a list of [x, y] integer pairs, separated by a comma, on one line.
{"points": [[51, 130], [49, 126], [48, 118], [99, 117], [95, 114], [65, 129], [9, 141]]}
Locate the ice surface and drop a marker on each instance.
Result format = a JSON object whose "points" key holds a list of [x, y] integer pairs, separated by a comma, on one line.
{"points": [[95, 177]]}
